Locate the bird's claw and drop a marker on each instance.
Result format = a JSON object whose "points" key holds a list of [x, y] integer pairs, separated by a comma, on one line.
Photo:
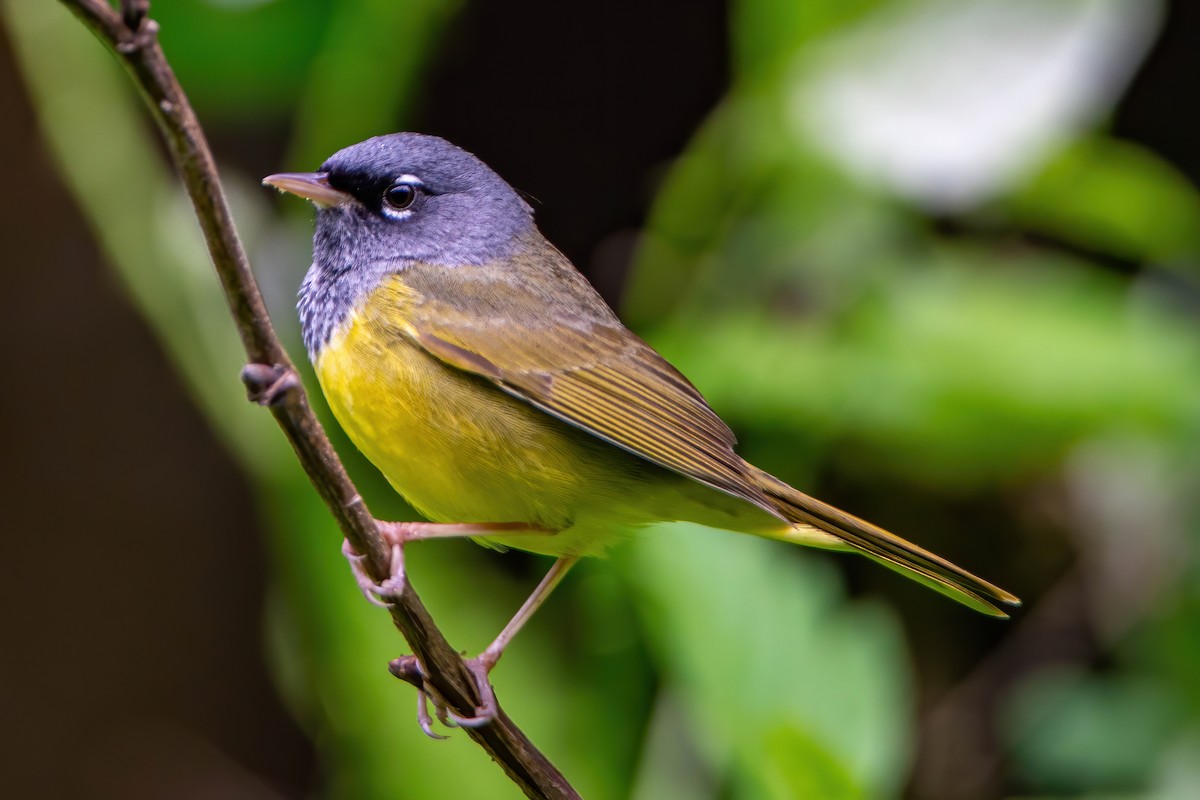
{"points": [[370, 589], [426, 721], [409, 669], [485, 712], [395, 583]]}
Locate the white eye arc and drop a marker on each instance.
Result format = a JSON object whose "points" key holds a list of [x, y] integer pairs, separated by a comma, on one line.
{"points": [[398, 197]]}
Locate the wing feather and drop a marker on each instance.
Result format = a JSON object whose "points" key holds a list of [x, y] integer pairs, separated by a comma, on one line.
{"points": [[595, 374]]}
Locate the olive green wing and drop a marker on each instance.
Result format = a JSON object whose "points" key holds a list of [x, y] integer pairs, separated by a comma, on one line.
{"points": [[554, 344], [613, 387], [579, 364]]}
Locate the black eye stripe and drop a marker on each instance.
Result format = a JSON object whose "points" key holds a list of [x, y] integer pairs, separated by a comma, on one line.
{"points": [[370, 188]]}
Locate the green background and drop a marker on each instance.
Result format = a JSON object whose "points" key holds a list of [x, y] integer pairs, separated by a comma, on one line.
{"points": [[935, 262]]}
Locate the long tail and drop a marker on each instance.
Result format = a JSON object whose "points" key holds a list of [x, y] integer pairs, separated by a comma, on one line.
{"points": [[879, 545]]}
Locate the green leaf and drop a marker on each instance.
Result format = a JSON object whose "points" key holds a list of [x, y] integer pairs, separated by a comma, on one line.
{"points": [[1071, 731], [793, 765], [1116, 198], [753, 636]]}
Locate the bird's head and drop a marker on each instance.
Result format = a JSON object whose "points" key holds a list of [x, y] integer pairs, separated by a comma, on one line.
{"points": [[408, 197]]}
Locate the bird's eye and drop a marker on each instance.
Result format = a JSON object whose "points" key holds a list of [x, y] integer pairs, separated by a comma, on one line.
{"points": [[400, 195]]}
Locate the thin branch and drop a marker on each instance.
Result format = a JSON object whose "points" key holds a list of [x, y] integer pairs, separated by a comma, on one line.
{"points": [[271, 379]]}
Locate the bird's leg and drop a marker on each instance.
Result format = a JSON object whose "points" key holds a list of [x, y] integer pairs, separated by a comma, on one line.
{"points": [[398, 534], [482, 665], [492, 653], [409, 669]]}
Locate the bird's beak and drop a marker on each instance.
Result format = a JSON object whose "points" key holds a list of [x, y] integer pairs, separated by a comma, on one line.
{"points": [[313, 186]]}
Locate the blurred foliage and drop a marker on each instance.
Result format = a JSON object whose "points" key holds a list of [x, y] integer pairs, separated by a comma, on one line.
{"points": [[839, 319]]}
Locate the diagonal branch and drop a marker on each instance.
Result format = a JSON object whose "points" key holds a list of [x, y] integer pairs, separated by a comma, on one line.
{"points": [[270, 377]]}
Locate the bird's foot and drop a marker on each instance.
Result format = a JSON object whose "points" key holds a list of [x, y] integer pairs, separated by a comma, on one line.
{"points": [[485, 712], [398, 534], [409, 669], [366, 584]]}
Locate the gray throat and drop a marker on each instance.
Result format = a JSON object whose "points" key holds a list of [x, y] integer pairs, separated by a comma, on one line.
{"points": [[325, 301], [336, 283]]}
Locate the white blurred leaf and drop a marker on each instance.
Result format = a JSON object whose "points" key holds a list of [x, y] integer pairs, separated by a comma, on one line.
{"points": [[950, 101]]}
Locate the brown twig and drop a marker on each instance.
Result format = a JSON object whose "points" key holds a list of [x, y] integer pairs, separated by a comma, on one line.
{"points": [[271, 380]]}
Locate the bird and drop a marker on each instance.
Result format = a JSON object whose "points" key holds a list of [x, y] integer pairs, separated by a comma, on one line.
{"points": [[481, 373]]}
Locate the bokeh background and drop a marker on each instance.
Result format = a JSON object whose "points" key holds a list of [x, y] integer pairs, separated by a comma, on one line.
{"points": [[935, 261]]}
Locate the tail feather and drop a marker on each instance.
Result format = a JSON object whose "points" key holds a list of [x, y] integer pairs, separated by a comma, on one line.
{"points": [[885, 548]]}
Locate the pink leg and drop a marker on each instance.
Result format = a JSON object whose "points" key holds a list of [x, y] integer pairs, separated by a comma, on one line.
{"points": [[398, 534], [407, 668], [482, 665], [492, 654]]}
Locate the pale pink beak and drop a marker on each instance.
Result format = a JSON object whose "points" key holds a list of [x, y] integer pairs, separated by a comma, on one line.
{"points": [[312, 186]]}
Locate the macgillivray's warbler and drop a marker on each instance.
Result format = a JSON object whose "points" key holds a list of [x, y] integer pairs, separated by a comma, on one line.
{"points": [[498, 393]]}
